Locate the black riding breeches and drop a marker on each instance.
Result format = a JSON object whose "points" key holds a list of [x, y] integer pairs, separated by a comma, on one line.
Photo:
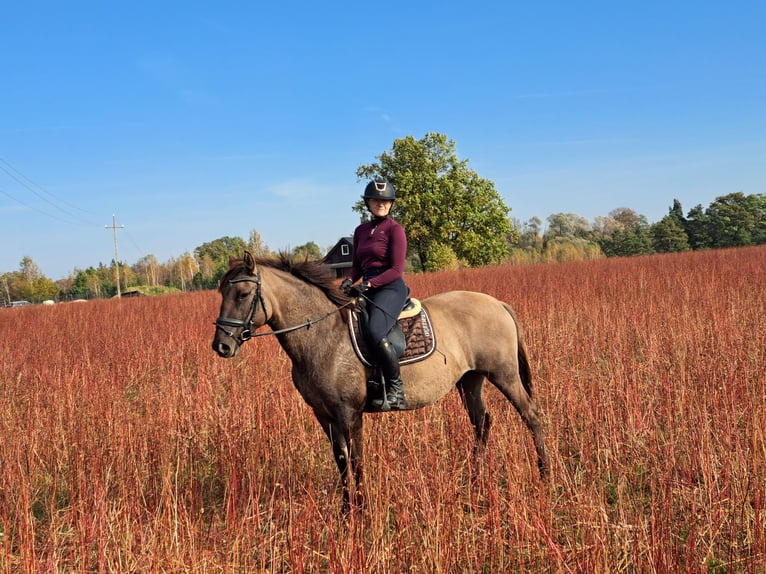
{"points": [[383, 308]]}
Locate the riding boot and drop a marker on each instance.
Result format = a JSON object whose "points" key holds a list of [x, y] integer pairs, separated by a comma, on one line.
{"points": [[394, 388]]}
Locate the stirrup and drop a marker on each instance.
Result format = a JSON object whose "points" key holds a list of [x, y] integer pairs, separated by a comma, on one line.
{"points": [[378, 402]]}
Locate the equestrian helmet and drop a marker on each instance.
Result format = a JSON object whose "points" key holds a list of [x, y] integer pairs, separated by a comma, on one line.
{"points": [[379, 189]]}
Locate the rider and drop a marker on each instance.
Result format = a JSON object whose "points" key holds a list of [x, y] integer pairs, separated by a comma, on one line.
{"points": [[379, 254]]}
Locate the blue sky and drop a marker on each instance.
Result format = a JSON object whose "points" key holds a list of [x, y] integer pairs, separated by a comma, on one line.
{"points": [[194, 120]]}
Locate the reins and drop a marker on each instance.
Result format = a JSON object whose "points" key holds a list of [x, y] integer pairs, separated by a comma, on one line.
{"points": [[247, 326]]}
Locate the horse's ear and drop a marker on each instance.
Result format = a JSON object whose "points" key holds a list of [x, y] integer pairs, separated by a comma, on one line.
{"points": [[249, 262]]}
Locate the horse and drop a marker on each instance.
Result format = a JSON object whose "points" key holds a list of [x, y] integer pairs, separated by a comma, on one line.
{"points": [[478, 338]]}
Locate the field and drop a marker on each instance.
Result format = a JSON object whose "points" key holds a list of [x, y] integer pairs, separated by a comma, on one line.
{"points": [[127, 445]]}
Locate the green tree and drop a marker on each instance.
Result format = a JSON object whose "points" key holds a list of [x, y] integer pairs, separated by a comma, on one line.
{"points": [[697, 227], [624, 233], [676, 213], [92, 282], [42, 289], [218, 253], [668, 236], [28, 283], [442, 257], [732, 220], [441, 202], [757, 204], [308, 251]]}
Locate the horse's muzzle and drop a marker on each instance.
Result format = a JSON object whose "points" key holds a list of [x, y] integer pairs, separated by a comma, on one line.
{"points": [[225, 350]]}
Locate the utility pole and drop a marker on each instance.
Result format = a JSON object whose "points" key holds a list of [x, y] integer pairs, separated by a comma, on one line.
{"points": [[7, 292], [114, 227]]}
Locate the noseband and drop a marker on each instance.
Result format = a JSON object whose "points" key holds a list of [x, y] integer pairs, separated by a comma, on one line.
{"points": [[247, 326]]}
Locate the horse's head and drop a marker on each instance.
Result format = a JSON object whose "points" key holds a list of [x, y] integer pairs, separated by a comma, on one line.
{"points": [[241, 298]]}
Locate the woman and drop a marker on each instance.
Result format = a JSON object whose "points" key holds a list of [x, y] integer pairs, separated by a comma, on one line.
{"points": [[379, 254]]}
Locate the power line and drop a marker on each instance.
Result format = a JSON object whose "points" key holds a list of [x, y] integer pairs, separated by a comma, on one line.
{"points": [[33, 208], [30, 186]]}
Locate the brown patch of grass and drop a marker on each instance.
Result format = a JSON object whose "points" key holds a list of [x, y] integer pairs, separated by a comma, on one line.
{"points": [[126, 445]]}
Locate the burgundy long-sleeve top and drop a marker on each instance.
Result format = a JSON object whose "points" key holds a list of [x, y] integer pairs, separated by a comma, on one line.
{"points": [[379, 243]]}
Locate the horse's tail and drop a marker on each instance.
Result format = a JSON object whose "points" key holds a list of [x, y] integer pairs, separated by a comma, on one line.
{"points": [[524, 371]]}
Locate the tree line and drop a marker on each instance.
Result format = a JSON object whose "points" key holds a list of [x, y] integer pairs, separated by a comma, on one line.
{"points": [[732, 220], [453, 217], [148, 276]]}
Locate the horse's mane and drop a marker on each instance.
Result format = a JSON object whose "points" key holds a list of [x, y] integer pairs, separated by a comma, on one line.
{"points": [[309, 271]]}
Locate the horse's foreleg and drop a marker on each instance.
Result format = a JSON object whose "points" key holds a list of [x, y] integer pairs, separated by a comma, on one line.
{"points": [[470, 387], [346, 443], [357, 461]]}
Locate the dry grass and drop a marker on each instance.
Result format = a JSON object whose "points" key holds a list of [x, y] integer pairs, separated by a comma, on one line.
{"points": [[126, 445]]}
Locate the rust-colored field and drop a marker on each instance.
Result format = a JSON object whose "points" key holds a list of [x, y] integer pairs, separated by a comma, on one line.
{"points": [[126, 445]]}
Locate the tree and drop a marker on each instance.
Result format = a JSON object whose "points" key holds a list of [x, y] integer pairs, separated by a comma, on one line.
{"points": [[186, 268], [206, 277], [256, 246], [148, 269], [567, 226], [528, 234], [219, 251], [28, 283], [92, 282], [676, 213], [571, 249], [757, 204], [623, 234], [442, 257], [42, 289], [731, 221], [668, 236], [28, 270], [308, 251], [441, 202], [697, 227]]}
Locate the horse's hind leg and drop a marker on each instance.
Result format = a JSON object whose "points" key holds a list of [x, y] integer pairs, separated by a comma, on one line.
{"points": [[470, 387], [510, 384]]}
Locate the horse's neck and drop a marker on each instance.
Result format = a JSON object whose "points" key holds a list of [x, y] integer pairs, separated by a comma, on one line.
{"points": [[291, 302]]}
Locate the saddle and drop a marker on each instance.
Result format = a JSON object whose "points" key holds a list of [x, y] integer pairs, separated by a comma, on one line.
{"points": [[413, 336]]}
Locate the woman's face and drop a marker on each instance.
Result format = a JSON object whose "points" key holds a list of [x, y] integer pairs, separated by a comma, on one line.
{"points": [[379, 207]]}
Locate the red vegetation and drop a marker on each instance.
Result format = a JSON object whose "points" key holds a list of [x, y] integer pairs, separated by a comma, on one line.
{"points": [[126, 445]]}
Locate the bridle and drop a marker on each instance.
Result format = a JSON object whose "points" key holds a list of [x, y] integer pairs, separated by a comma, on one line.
{"points": [[247, 326]]}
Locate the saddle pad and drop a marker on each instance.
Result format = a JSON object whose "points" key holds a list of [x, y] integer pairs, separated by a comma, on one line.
{"points": [[418, 334]]}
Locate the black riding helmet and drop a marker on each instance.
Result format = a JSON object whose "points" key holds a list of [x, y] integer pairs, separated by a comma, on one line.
{"points": [[379, 190]]}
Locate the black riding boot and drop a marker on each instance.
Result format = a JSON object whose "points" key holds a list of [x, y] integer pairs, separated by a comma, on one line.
{"points": [[394, 393]]}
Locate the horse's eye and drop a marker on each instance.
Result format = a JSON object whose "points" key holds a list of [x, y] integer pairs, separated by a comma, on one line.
{"points": [[242, 295]]}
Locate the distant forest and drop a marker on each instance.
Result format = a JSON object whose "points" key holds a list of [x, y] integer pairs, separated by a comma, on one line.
{"points": [[732, 220]]}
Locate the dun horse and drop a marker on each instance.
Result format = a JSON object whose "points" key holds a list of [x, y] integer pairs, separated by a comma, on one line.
{"points": [[477, 337]]}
